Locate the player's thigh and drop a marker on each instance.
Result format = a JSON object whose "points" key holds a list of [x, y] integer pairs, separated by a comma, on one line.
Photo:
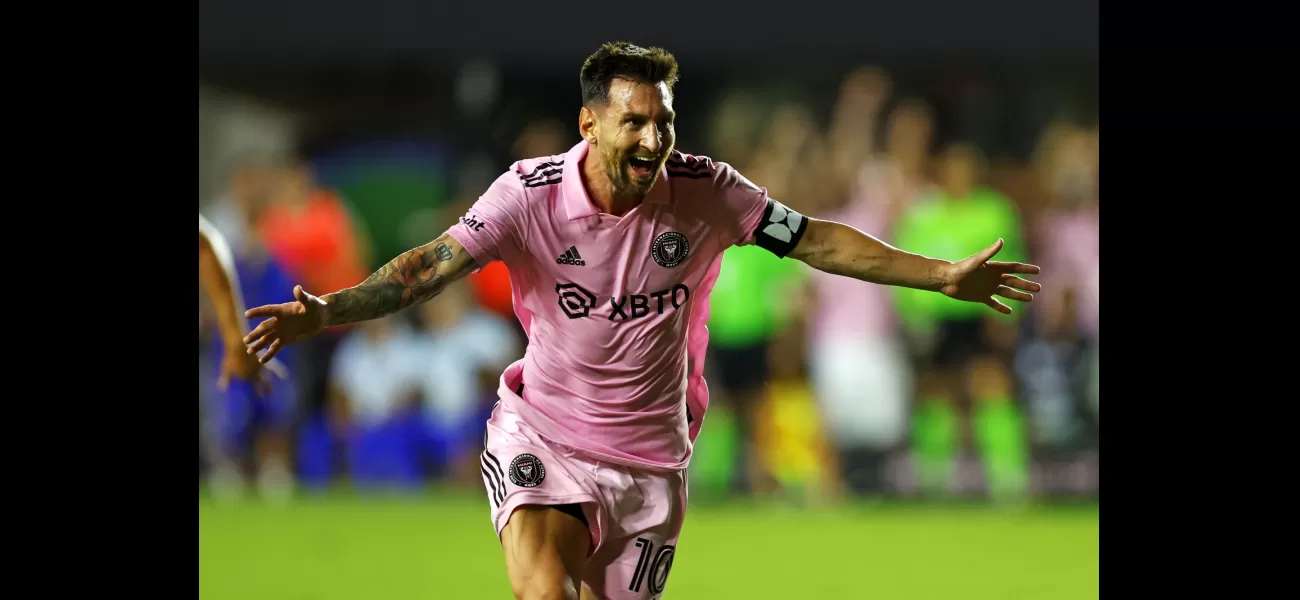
{"points": [[634, 566], [634, 563], [545, 508], [545, 550]]}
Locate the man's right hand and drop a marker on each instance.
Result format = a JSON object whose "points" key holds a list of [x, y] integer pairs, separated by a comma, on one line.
{"points": [[285, 324]]}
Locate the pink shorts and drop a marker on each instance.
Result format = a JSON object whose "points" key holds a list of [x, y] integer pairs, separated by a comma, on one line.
{"points": [[634, 516]]}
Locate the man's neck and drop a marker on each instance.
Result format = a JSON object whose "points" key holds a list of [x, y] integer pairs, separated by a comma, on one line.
{"points": [[601, 191]]}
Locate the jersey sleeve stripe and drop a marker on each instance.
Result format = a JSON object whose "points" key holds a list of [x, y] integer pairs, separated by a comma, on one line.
{"points": [[677, 164], [539, 175], [543, 182], [544, 169], [686, 166]]}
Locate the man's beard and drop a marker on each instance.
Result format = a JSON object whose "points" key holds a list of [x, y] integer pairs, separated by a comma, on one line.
{"points": [[624, 185]]}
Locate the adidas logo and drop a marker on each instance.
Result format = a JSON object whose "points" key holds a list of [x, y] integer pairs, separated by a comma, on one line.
{"points": [[571, 257]]}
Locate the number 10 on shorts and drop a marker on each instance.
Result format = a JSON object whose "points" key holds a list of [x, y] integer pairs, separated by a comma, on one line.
{"points": [[657, 564]]}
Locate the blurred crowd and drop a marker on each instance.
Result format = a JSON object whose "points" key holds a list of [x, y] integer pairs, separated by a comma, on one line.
{"points": [[823, 388]]}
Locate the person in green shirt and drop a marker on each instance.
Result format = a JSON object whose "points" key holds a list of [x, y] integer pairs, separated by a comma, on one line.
{"points": [[964, 377], [749, 308]]}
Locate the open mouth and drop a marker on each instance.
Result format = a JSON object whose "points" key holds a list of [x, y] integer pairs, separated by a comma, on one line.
{"points": [[642, 166]]}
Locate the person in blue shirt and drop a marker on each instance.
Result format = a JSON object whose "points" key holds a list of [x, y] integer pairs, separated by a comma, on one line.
{"points": [[250, 416]]}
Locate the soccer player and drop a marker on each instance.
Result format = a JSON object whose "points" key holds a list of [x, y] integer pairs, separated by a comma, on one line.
{"points": [[613, 248], [245, 383], [218, 280]]}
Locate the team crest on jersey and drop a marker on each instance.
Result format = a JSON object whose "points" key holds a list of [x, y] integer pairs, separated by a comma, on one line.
{"points": [[670, 249], [527, 471]]}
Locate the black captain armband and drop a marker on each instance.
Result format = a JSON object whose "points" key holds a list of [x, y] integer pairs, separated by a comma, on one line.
{"points": [[780, 230]]}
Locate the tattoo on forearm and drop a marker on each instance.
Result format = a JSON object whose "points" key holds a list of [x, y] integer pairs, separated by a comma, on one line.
{"points": [[409, 279]]}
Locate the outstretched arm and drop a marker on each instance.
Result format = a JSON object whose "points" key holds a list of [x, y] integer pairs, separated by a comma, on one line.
{"points": [[413, 277], [842, 250]]}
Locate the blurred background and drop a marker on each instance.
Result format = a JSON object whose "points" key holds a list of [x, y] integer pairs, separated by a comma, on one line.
{"points": [[908, 445]]}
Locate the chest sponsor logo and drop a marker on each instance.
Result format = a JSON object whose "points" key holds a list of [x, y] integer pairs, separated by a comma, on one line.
{"points": [[577, 302]]}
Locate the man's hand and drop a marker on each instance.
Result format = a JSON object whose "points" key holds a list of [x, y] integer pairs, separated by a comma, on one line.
{"points": [[285, 324], [239, 364], [977, 279]]}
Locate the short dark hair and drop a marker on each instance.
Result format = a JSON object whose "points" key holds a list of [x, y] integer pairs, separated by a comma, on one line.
{"points": [[624, 60]]}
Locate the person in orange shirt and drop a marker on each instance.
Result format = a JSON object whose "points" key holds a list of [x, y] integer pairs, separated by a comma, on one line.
{"points": [[492, 290], [311, 231], [308, 229]]}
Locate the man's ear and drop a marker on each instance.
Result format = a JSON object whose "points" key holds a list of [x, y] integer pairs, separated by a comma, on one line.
{"points": [[587, 124]]}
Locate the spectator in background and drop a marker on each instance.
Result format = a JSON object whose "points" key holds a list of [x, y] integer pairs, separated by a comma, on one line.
{"points": [[310, 231], [375, 382], [852, 131], [789, 431], [797, 451], [1068, 231], [858, 363], [736, 126], [493, 292], [905, 169], [747, 308], [462, 351], [1093, 386], [782, 153], [250, 424], [967, 371], [251, 185], [734, 130], [1058, 367]]}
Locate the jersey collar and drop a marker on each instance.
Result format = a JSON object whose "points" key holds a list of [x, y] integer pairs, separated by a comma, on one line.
{"points": [[577, 204]]}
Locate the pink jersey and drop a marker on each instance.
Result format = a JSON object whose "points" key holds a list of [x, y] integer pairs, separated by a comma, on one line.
{"points": [[615, 307]]}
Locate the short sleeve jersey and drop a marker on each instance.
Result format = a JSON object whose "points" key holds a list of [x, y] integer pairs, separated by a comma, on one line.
{"points": [[615, 307]]}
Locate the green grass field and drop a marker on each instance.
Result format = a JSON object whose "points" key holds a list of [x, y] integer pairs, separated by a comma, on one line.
{"points": [[442, 546]]}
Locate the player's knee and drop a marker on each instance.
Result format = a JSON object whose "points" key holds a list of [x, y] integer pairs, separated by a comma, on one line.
{"points": [[543, 576], [545, 584]]}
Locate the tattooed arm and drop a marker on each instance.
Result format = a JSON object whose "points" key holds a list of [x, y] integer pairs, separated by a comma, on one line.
{"points": [[413, 277]]}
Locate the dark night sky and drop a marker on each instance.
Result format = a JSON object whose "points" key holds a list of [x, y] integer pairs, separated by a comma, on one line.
{"points": [[306, 33]]}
